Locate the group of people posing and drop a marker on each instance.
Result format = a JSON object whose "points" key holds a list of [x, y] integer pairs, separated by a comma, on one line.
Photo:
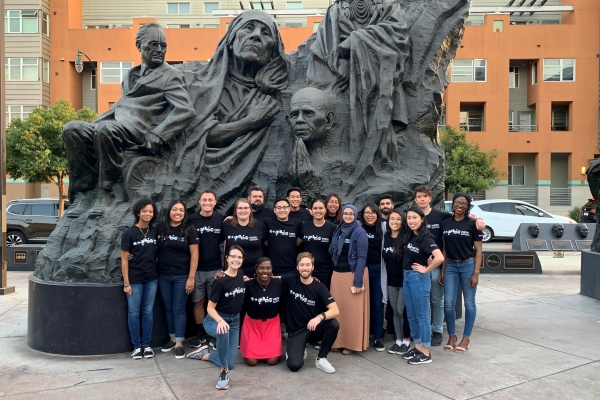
{"points": [[283, 267]]}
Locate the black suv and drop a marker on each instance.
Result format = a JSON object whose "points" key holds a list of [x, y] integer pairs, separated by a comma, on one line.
{"points": [[31, 220], [587, 213]]}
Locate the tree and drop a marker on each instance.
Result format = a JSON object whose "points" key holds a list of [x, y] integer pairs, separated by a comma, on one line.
{"points": [[35, 150], [469, 169]]}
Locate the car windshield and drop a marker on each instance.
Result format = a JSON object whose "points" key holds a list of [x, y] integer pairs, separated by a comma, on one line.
{"points": [[527, 211]]}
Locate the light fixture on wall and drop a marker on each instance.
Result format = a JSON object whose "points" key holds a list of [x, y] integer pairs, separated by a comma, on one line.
{"points": [[583, 170], [79, 63]]}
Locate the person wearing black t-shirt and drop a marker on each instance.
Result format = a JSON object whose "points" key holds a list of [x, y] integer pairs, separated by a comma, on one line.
{"points": [[393, 274], [417, 284], [177, 263], [243, 230], [316, 238], [284, 235], [311, 314], [140, 277], [208, 227], [223, 319], [463, 254], [423, 196], [257, 200], [333, 203], [372, 224], [295, 199], [261, 332]]}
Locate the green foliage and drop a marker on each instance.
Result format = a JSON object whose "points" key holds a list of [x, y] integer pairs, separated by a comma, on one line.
{"points": [[35, 150], [574, 213], [469, 169]]}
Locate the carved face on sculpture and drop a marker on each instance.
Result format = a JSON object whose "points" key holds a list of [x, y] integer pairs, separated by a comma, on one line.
{"points": [[310, 116], [534, 230], [582, 230], [151, 41], [253, 43], [558, 230]]}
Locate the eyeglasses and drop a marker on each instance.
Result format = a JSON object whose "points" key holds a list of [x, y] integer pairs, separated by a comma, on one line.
{"points": [[243, 208], [461, 203], [348, 214], [282, 207], [333, 202], [368, 213], [235, 257], [154, 45]]}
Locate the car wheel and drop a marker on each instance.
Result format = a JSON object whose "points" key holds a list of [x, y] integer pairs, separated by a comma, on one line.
{"points": [[488, 234], [15, 238]]}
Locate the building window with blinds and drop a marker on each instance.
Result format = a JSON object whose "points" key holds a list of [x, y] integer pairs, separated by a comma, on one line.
{"points": [[113, 71]]}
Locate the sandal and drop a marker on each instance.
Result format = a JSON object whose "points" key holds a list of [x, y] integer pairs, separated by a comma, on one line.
{"points": [[450, 347], [458, 349]]}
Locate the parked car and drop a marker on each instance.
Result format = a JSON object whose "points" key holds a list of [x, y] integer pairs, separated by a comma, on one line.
{"points": [[31, 220], [587, 213], [503, 217]]}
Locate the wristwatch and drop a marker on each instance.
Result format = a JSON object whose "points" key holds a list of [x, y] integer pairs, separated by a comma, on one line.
{"points": [[323, 316]]}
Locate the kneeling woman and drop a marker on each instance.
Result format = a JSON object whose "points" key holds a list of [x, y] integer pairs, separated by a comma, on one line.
{"points": [[261, 331], [417, 284], [223, 319]]}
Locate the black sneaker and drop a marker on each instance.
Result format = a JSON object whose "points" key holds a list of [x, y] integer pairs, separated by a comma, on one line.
{"points": [[198, 341], [379, 346], [436, 339], [148, 352], [394, 349], [403, 349], [213, 343], [420, 359], [170, 345], [179, 352], [412, 353], [137, 353]]}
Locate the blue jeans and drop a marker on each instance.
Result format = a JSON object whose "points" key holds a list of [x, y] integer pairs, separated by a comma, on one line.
{"points": [[172, 291], [141, 300], [459, 273], [416, 289], [227, 343], [376, 297], [437, 302]]}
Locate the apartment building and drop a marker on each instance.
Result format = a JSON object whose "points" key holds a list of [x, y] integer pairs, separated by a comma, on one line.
{"points": [[525, 80]]}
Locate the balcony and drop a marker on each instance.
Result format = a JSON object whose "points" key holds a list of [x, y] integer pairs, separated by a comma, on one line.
{"points": [[472, 124], [561, 127], [560, 196], [522, 128]]}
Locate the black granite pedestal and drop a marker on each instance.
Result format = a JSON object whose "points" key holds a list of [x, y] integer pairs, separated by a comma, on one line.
{"points": [[590, 274]]}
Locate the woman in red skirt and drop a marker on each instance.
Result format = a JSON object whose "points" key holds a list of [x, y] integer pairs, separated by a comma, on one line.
{"points": [[261, 331]]}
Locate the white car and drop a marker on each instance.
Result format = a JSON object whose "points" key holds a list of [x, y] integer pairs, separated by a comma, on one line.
{"points": [[503, 217]]}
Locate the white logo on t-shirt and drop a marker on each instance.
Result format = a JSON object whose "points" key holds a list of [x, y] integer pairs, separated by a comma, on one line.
{"points": [[283, 233], [235, 291], [302, 298], [388, 250], [412, 248], [208, 229]]}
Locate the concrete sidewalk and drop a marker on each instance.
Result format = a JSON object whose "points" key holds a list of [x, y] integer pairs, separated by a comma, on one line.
{"points": [[535, 337]]}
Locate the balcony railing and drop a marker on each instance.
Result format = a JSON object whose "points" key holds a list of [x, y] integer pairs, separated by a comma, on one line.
{"points": [[522, 128], [559, 127], [560, 196], [523, 193]]}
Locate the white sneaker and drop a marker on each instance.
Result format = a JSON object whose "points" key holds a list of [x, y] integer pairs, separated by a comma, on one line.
{"points": [[324, 365]]}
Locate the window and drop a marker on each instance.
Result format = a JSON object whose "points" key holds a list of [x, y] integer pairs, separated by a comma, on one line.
{"points": [[471, 119], [511, 121], [43, 209], [293, 5], [178, 8], [179, 26], [534, 73], [498, 26], [96, 27], [516, 175], [316, 26], [469, 71], [294, 25], [112, 72], [45, 24], [527, 211], [560, 118], [20, 21], [513, 77], [17, 209], [559, 70], [93, 79], [17, 112], [501, 208], [46, 71], [21, 69], [257, 6], [209, 7]]}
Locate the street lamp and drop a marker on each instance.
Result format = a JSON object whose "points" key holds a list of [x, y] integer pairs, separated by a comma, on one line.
{"points": [[79, 63]]}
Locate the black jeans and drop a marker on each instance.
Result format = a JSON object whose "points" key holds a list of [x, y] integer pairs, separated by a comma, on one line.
{"points": [[326, 333]]}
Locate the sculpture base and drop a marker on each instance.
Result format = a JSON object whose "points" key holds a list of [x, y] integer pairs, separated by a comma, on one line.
{"points": [[590, 274], [82, 319], [511, 262]]}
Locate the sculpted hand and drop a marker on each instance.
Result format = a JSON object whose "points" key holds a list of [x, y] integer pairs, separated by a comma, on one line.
{"points": [[263, 112], [343, 74], [153, 143], [344, 49]]}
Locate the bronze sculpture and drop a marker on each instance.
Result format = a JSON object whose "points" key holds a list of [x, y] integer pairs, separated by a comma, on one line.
{"points": [[534, 230]]}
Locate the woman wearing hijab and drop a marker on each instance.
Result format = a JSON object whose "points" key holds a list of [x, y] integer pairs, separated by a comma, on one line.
{"points": [[236, 98], [350, 281]]}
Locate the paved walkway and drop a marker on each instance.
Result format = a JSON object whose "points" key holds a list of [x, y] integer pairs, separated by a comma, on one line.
{"points": [[535, 337]]}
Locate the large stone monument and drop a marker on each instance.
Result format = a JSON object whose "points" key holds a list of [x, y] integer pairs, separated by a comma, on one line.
{"points": [[375, 70]]}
